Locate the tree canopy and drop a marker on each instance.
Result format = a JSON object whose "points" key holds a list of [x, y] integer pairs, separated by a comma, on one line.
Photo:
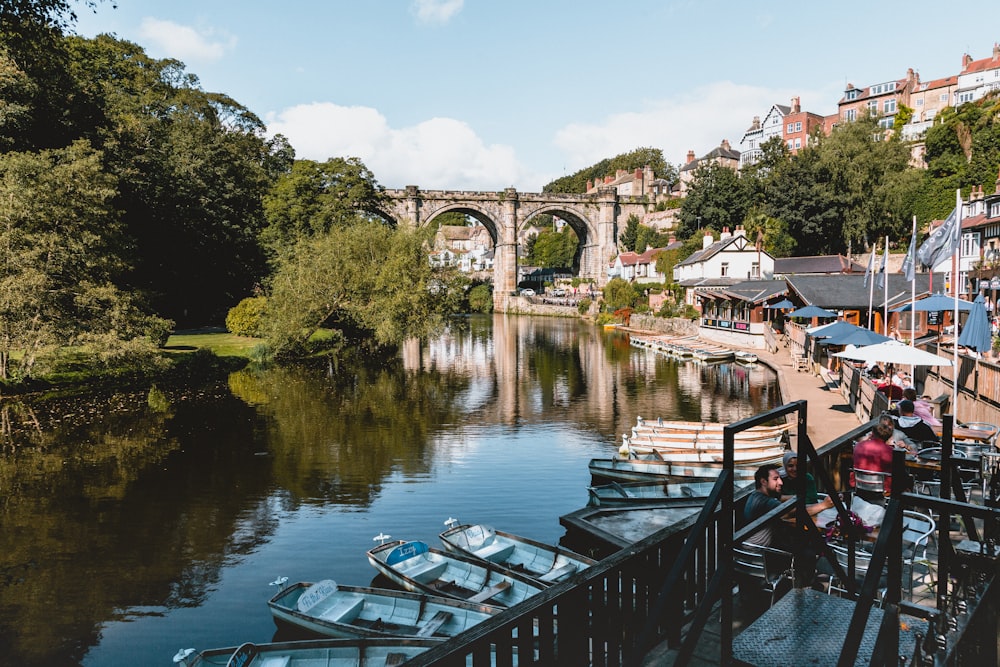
{"points": [[637, 159]]}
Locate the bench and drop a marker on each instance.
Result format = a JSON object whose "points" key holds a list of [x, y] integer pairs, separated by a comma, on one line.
{"points": [[344, 611], [492, 591], [424, 572], [497, 552], [436, 622], [559, 572]]}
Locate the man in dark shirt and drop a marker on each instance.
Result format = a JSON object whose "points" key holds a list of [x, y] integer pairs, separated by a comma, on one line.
{"points": [[765, 497], [915, 428]]}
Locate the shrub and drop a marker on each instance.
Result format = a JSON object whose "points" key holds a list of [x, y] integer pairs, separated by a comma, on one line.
{"points": [[158, 330], [584, 305], [481, 299], [244, 318]]}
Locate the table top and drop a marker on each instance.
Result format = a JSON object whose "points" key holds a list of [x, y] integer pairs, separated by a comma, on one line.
{"points": [[960, 433], [809, 627]]}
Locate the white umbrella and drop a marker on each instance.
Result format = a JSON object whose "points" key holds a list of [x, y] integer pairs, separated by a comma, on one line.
{"points": [[894, 352]]}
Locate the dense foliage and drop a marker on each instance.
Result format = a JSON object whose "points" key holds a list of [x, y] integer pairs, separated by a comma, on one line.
{"points": [[637, 159], [550, 249]]}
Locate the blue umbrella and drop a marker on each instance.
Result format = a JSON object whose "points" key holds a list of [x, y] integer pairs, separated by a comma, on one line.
{"points": [[977, 333], [935, 303], [859, 336], [812, 311], [781, 305]]}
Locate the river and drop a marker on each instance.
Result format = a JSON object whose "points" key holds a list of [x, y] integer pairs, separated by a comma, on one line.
{"points": [[134, 525]]}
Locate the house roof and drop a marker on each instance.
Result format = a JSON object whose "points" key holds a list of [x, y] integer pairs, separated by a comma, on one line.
{"points": [[633, 258], [983, 64], [848, 291], [709, 282], [754, 291], [707, 253], [816, 264]]}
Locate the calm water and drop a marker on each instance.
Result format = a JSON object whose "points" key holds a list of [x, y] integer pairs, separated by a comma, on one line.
{"points": [[135, 525]]}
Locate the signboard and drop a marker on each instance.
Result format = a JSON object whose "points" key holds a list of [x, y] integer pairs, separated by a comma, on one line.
{"points": [[995, 282]]}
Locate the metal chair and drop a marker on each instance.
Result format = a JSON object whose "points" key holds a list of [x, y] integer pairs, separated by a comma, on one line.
{"points": [[870, 480], [918, 529], [765, 567], [862, 561]]}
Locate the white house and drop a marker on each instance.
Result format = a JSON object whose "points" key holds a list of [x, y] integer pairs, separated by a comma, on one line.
{"points": [[978, 77], [637, 267], [730, 260]]}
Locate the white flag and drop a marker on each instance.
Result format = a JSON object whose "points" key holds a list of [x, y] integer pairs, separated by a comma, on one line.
{"points": [[908, 263], [871, 265], [943, 241], [880, 280]]}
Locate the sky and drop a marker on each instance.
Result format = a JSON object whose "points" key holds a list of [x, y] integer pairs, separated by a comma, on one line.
{"points": [[490, 94]]}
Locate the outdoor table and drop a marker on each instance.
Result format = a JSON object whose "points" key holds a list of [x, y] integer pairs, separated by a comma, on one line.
{"points": [[959, 433], [810, 623]]}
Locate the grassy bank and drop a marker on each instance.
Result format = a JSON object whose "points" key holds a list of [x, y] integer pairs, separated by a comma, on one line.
{"points": [[219, 342]]}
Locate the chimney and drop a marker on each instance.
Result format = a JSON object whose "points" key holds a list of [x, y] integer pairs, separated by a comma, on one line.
{"points": [[725, 144], [690, 157], [796, 106], [725, 234], [966, 59], [755, 125], [996, 51], [672, 240], [608, 179], [707, 240], [590, 185], [740, 231]]}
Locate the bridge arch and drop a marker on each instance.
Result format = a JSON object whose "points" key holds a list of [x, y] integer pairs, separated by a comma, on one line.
{"points": [[593, 216]]}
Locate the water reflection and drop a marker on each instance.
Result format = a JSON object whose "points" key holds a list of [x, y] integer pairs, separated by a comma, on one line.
{"points": [[135, 524]]}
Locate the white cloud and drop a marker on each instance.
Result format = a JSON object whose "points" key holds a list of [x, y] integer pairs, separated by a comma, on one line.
{"points": [[440, 153], [436, 11], [698, 120], [183, 42]]}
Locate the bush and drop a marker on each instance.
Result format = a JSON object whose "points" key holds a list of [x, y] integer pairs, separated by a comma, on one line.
{"points": [[605, 318], [158, 330], [245, 317], [584, 305], [481, 299]]}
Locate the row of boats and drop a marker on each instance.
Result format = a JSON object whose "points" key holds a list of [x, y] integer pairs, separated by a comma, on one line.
{"points": [[691, 347], [478, 573]]}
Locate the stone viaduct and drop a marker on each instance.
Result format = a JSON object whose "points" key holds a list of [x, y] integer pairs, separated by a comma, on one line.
{"points": [[596, 218]]}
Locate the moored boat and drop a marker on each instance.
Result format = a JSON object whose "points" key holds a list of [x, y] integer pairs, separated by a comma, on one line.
{"points": [[327, 652], [667, 494], [652, 467], [613, 528], [420, 568], [704, 428], [745, 357], [334, 610], [743, 456], [546, 563]]}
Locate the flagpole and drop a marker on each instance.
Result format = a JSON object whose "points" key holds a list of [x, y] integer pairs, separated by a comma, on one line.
{"points": [[885, 286], [871, 285], [913, 289], [954, 282]]}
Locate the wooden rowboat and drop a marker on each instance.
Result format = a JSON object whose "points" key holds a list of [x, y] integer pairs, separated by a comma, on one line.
{"points": [[667, 494], [668, 442], [707, 436], [329, 609], [332, 652], [704, 428], [638, 469], [757, 456], [744, 357], [545, 563], [420, 568]]}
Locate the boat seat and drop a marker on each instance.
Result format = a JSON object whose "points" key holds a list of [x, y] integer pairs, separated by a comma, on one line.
{"points": [[559, 572], [491, 592], [497, 552], [344, 611], [276, 661], [436, 622], [424, 572]]}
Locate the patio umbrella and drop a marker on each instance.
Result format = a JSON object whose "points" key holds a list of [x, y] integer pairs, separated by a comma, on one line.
{"points": [[935, 303], [812, 311], [784, 304], [856, 336], [894, 352], [977, 333]]}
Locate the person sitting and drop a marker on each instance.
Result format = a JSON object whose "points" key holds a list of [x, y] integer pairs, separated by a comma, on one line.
{"points": [[899, 439], [921, 408], [916, 429], [791, 481], [874, 454]]}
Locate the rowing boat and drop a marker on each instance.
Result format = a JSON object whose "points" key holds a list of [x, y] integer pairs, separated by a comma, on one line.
{"points": [[705, 428], [330, 609], [757, 455], [420, 568], [708, 437], [327, 652], [649, 468], [545, 563], [744, 357], [666, 494]]}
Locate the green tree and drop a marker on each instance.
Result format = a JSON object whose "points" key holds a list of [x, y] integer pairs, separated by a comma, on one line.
{"points": [[316, 196], [637, 159], [715, 198], [630, 235], [619, 294], [481, 299], [58, 232], [554, 249], [362, 277]]}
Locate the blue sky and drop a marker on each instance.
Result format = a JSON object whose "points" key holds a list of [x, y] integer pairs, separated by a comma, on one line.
{"points": [[488, 94]]}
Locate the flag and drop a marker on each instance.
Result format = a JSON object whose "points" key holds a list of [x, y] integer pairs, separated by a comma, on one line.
{"points": [[871, 265], [880, 280], [943, 241], [911, 254]]}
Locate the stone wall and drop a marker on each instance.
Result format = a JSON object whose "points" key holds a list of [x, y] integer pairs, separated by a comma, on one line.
{"points": [[675, 325]]}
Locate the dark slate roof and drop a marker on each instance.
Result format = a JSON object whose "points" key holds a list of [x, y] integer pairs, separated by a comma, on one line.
{"points": [[709, 282], [755, 291], [817, 264], [720, 151], [848, 291]]}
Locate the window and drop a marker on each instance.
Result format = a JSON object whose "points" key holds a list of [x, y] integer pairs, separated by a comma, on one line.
{"points": [[798, 143], [798, 126], [725, 269], [883, 88], [943, 97], [920, 102], [852, 94], [970, 245], [791, 128], [755, 270], [886, 123], [851, 114], [791, 145], [873, 107], [889, 106], [966, 96]]}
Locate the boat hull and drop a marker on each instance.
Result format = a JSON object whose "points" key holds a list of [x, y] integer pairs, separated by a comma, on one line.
{"points": [[328, 609], [665, 494], [633, 470], [332, 652]]}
